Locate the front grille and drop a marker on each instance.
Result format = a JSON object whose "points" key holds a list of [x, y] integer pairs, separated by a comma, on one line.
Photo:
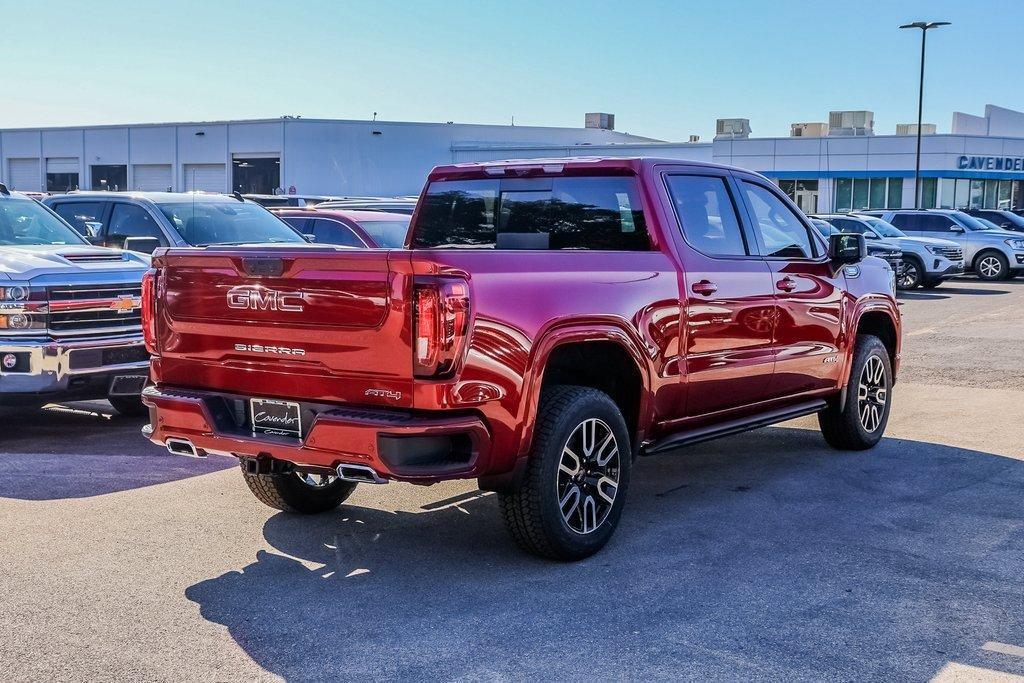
{"points": [[952, 253], [89, 310]]}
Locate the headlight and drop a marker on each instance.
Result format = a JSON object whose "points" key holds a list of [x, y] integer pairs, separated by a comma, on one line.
{"points": [[1015, 244], [937, 251], [15, 291]]}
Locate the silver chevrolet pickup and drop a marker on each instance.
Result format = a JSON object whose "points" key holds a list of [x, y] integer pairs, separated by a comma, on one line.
{"points": [[70, 326]]}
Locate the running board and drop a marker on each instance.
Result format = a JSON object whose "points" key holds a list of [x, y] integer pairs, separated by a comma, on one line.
{"points": [[707, 433]]}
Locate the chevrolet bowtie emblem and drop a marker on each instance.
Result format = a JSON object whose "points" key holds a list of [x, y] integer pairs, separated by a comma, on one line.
{"points": [[126, 303]]}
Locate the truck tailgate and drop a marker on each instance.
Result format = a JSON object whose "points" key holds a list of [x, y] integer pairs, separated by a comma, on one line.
{"points": [[317, 324]]}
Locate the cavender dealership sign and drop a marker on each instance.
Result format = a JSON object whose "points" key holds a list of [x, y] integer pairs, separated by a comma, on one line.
{"points": [[965, 162]]}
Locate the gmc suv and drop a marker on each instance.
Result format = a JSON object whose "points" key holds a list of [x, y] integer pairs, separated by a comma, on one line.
{"points": [[992, 253], [548, 322], [70, 321]]}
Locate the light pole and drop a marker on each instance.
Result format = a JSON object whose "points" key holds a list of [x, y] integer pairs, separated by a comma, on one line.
{"points": [[924, 26]]}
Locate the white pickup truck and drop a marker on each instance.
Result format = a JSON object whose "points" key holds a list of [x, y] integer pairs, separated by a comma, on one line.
{"points": [[70, 326]]}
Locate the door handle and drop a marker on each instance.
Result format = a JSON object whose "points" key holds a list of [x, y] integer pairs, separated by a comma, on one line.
{"points": [[704, 287], [786, 284]]}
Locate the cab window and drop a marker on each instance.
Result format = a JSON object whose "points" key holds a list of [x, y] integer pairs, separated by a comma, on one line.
{"points": [[783, 234]]}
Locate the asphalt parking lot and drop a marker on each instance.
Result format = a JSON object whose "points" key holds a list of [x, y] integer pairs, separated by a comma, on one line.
{"points": [[765, 556]]}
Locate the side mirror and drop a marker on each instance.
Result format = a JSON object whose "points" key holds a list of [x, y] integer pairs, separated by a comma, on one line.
{"points": [[143, 245], [310, 237], [956, 228], [845, 248]]}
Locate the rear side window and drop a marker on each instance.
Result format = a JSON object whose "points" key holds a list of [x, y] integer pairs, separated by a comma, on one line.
{"points": [[592, 213], [707, 215]]}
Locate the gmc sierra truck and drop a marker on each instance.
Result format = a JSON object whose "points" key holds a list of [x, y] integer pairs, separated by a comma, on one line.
{"points": [[548, 322], [70, 319]]}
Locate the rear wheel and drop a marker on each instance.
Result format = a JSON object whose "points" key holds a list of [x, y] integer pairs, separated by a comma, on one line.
{"points": [[574, 487], [992, 265], [300, 492], [860, 423]]}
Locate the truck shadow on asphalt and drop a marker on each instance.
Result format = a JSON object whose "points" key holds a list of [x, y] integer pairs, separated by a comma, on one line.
{"points": [[79, 450], [763, 556]]}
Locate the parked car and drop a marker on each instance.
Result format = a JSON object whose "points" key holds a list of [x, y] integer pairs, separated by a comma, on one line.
{"points": [[927, 261], [288, 200], [360, 229], [1007, 220], [550, 322], [404, 205], [887, 251], [70, 325], [166, 219], [992, 253]]}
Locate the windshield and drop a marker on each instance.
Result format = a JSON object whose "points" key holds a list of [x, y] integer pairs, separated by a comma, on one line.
{"points": [[972, 223], [389, 234], [24, 222], [989, 225], [884, 229], [202, 223]]}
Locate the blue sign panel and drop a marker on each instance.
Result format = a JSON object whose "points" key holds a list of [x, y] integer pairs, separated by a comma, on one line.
{"points": [[981, 163]]}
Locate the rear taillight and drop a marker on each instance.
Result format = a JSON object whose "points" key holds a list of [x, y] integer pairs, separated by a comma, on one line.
{"points": [[441, 325], [149, 310]]}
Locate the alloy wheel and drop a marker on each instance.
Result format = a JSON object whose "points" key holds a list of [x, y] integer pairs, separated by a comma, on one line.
{"points": [[909, 277], [990, 267], [588, 476], [316, 480], [872, 394]]}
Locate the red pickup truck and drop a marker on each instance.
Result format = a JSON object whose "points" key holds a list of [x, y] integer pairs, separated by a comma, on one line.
{"points": [[548, 322]]}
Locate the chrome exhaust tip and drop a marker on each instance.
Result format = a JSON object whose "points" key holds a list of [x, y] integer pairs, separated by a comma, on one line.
{"points": [[360, 473], [183, 447]]}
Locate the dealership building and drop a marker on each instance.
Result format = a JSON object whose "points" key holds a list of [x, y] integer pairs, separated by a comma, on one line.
{"points": [[838, 165]]}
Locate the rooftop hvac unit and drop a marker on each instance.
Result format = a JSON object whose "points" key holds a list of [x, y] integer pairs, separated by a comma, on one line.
{"points": [[911, 129], [694, 138], [808, 130], [851, 122], [732, 128], [599, 120]]}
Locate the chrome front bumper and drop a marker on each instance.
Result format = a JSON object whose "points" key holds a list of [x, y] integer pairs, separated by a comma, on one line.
{"points": [[50, 367]]}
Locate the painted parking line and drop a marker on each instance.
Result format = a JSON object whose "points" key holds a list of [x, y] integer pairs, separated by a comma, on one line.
{"points": [[1003, 648]]}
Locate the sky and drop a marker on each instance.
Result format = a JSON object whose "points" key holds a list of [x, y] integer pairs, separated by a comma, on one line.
{"points": [[665, 69]]}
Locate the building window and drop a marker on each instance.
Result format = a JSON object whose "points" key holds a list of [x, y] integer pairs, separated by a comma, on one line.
{"points": [[112, 178], [854, 194], [929, 192], [61, 182], [260, 175], [804, 193], [970, 193]]}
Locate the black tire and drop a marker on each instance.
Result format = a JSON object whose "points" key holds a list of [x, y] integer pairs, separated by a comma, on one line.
{"points": [[128, 406], [913, 274], [532, 512], [931, 284], [991, 266], [290, 493], [846, 429]]}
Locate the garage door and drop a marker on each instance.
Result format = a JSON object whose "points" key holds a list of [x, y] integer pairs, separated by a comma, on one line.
{"points": [[23, 174], [206, 177], [151, 177], [62, 165]]}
